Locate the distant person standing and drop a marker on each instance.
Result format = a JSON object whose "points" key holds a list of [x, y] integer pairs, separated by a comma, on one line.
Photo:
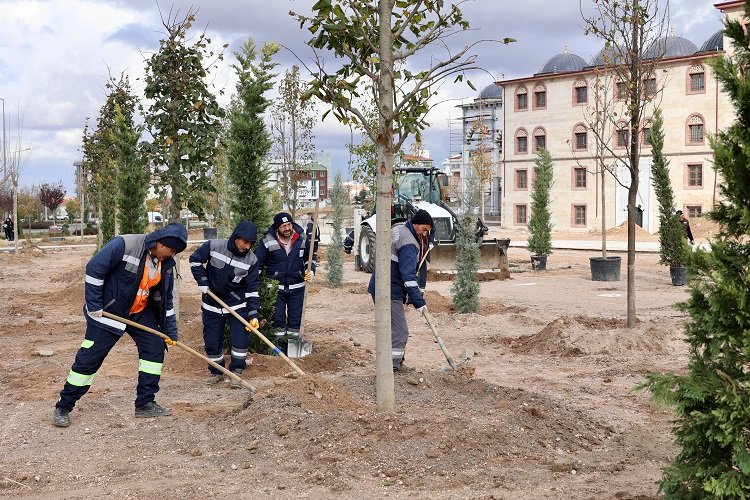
{"points": [[8, 229], [686, 227]]}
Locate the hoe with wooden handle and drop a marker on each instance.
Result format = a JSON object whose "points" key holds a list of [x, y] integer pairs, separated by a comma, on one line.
{"points": [[438, 339], [179, 344]]}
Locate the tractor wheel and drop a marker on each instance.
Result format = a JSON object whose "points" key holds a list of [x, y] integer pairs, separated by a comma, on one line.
{"points": [[366, 249]]}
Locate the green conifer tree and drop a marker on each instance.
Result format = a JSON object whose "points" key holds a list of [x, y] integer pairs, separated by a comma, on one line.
{"points": [[334, 252], [712, 399], [673, 251], [247, 145], [540, 225], [465, 287]]}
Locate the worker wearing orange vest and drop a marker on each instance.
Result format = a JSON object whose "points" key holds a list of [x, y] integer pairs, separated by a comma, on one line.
{"points": [[131, 276]]}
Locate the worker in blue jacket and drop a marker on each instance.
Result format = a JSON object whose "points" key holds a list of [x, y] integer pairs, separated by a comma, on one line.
{"points": [[409, 244], [132, 277], [284, 252], [229, 268]]}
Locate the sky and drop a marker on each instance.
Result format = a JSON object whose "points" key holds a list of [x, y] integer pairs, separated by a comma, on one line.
{"points": [[56, 57]]}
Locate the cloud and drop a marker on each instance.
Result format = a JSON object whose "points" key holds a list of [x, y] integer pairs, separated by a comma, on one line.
{"points": [[56, 57]]}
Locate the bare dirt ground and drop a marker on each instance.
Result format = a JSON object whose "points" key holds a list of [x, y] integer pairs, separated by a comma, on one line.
{"points": [[545, 409]]}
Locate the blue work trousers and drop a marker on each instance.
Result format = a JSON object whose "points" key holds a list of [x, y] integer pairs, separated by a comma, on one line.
{"points": [[213, 340], [96, 346]]}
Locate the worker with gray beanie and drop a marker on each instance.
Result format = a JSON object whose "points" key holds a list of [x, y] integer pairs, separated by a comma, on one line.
{"points": [[132, 276], [409, 247], [284, 252]]}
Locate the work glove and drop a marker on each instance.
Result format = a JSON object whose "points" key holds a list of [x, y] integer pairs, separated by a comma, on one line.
{"points": [[308, 276], [96, 314], [170, 342], [202, 289], [253, 323], [422, 310]]}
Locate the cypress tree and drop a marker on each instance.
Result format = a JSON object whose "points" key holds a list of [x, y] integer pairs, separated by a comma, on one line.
{"points": [[334, 253], [247, 145], [465, 288], [712, 400], [540, 225], [673, 246]]}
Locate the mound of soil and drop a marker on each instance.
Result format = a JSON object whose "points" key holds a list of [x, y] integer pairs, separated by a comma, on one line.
{"points": [[583, 335]]}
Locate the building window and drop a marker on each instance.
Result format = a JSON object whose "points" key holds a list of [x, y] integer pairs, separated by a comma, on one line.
{"points": [[646, 136], [540, 97], [520, 217], [522, 99], [695, 130], [579, 216], [540, 139], [696, 80], [694, 175], [522, 179], [580, 137], [522, 142], [621, 91], [694, 211], [622, 136], [580, 177], [649, 86], [580, 92]]}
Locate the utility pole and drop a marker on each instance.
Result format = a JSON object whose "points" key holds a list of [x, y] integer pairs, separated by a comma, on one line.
{"points": [[15, 166]]}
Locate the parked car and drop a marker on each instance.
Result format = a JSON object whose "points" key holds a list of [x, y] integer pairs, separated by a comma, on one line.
{"points": [[155, 218]]}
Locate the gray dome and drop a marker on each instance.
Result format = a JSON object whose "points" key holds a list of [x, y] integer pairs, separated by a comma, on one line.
{"points": [[491, 91], [715, 42], [605, 56], [671, 46], [563, 63]]}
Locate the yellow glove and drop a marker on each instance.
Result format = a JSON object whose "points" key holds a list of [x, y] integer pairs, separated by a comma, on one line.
{"points": [[170, 342], [253, 323], [308, 277]]}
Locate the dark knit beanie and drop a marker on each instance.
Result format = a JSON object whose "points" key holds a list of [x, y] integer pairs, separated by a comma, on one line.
{"points": [[173, 242], [280, 218], [422, 217]]}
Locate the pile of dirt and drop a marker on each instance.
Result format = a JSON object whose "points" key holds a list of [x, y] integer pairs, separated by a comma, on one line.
{"points": [[584, 335], [621, 233], [704, 228]]}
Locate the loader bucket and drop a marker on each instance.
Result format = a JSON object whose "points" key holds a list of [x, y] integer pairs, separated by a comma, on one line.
{"points": [[493, 256]]}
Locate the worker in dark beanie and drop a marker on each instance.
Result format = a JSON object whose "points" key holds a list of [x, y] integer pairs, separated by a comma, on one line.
{"points": [[409, 245], [132, 277], [284, 252]]}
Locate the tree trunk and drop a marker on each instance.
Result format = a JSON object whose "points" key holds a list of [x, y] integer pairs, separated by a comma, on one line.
{"points": [[604, 210], [383, 363]]}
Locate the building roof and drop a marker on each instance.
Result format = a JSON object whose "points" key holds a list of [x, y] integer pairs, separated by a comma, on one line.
{"points": [[563, 63], [714, 42], [605, 56], [314, 165], [670, 46], [491, 91]]}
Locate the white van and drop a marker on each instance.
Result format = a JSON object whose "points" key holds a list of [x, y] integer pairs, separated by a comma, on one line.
{"points": [[155, 218]]}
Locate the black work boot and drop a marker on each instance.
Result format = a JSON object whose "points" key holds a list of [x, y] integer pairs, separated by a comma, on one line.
{"points": [[235, 384], [152, 409], [61, 417]]}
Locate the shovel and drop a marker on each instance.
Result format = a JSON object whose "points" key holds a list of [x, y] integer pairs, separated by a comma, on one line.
{"points": [[262, 337], [300, 347], [179, 344], [439, 340]]}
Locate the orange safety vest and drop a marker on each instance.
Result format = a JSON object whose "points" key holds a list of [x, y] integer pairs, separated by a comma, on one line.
{"points": [[151, 276]]}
